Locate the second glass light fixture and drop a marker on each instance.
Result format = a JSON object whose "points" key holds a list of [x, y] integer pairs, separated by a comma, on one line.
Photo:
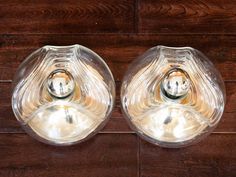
{"points": [[173, 97]]}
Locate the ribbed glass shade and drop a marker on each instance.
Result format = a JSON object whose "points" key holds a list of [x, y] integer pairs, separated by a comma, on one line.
{"points": [[63, 95], [173, 97]]}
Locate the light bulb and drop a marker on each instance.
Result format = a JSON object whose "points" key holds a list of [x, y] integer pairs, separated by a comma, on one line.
{"points": [[60, 83]]}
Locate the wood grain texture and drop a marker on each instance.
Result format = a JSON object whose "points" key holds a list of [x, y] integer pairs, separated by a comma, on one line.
{"points": [[117, 122], [101, 156], [196, 16], [52, 16], [213, 157], [119, 50]]}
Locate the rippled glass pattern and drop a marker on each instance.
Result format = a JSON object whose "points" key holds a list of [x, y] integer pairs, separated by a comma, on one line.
{"points": [[63, 95], [173, 97]]}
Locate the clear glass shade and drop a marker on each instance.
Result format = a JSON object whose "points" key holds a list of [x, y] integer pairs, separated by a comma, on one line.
{"points": [[63, 95], [173, 97]]}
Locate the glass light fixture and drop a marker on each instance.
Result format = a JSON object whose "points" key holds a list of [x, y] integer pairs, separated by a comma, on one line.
{"points": [[173, 97], [63, 95]]}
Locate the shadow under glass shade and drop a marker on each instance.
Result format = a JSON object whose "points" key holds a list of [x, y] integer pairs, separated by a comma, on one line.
{"points": [[173, 97], [63, 95]]}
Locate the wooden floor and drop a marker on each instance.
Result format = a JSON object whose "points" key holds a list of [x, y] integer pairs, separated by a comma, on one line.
{"points": [[118, 31]]}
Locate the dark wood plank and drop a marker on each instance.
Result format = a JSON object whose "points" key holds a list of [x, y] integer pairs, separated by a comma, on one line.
{"points": [[119, 50], [214, 156], [205, 16], [116, 125], [117, 122], [105, 155], [51, 16]]}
